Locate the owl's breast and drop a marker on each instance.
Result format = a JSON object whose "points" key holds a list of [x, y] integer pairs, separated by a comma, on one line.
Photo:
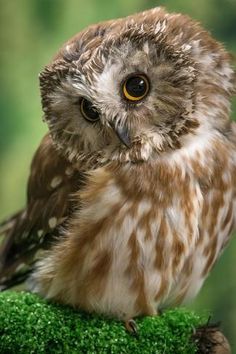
{"points": [[131, 238]]}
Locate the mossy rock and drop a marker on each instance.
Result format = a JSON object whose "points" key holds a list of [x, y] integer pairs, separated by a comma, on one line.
{"points": [[29, 324]]}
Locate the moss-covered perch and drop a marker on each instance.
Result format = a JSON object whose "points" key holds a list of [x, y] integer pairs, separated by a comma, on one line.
{"points": [[29, 324]]}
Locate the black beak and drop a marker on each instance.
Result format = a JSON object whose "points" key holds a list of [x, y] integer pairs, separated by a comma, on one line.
{"points": [[122, 133]]}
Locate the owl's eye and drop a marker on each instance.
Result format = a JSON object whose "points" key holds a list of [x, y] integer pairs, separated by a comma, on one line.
{"points": [[135, 87], [88, 111]]}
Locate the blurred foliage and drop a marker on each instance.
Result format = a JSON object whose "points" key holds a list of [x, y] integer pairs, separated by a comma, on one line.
{"points": [[31, 31]]}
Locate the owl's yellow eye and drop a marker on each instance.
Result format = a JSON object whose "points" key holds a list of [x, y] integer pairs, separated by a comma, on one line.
{"points": [[88, 111], [135, 87]]}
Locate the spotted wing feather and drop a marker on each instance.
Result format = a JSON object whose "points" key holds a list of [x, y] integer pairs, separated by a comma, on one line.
{"points": [[51, 183]]}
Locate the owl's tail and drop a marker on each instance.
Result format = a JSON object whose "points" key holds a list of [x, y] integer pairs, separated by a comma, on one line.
{"points": [[11, 259]]}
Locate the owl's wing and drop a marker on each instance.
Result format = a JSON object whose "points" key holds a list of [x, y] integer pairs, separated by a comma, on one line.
{"points": [[51, 185]]}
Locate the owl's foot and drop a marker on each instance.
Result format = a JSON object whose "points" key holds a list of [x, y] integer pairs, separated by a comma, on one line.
{"points": [[131, 327]]}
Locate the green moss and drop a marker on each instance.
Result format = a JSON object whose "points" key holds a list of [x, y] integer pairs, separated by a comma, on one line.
{"points": [[29, 324]]}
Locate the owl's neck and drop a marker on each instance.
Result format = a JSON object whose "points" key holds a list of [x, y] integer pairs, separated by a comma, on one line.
{"points": [[151, 149], [201, 161]]}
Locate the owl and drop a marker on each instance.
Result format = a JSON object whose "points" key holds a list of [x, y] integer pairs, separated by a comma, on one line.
{"points": [[131, 194]]}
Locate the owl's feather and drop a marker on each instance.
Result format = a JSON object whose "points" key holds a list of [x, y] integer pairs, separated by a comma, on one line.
{"points": [[51, 184]]}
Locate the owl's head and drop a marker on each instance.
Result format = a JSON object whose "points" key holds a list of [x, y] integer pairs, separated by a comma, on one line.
{"points": [[133, 88]]}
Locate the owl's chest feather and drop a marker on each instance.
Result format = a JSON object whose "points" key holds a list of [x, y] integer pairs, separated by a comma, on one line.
{"points": [[142, 227], [153, 219]]}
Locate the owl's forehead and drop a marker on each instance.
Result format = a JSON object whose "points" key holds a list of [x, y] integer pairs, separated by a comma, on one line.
{"points": [[130, 47], [114, 34]]}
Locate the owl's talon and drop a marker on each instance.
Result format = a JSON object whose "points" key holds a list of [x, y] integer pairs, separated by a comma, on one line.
{"points": [[131, 327]]}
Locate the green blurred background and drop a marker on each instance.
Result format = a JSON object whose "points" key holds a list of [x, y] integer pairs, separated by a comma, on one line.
{"points": [[31, 31]]}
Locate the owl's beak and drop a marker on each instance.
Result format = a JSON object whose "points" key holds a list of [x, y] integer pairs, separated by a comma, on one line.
{"points": [[122, 133]]}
